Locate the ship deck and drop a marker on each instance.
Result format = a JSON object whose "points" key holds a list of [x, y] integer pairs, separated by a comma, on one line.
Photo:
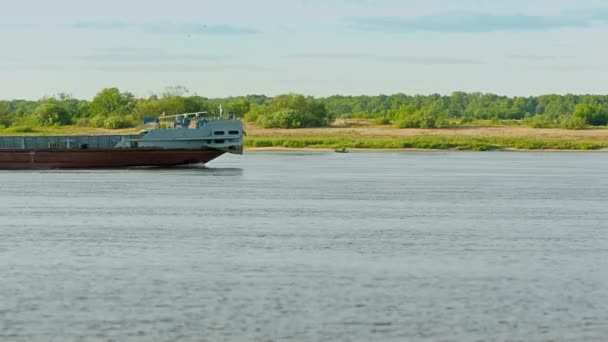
{"points": [[62, 142]]}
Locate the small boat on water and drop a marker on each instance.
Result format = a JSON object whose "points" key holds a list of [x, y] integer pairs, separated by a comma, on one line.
{"points": [[342, 150]]}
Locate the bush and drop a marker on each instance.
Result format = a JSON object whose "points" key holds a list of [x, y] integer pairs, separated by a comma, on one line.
{"points": [[254, 113], [115, 122], [98, 121], [50, 113], [408, 122], [290, 111], [285, 118], [541, 121], [592, 115], [422, 121], [573, 122], [382, 120], [466, 120], [83, 122], [410, 117]]}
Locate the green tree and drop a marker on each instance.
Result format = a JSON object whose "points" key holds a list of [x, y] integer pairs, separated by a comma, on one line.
{"points": [[111, 101], [290, 111], [592, 115], [238, 106], [255, 113], [50, 112], [5, 114], [149, 107], [458, 104], [410, 117]]}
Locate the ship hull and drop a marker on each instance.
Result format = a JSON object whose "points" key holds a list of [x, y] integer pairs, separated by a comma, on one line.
{"points": [[103, 158]]}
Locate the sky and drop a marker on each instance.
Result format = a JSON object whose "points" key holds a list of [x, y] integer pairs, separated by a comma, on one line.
{"points": [[314, 47]]}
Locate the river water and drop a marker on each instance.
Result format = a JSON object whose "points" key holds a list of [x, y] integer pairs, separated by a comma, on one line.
{"points": [[310, 246]]}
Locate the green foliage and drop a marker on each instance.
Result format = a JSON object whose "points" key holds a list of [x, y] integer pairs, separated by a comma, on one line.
{"points": [[573, 122], [289, 111], [5, 114], [51, 112], [98, 121], [21, 129], [115, 122], [255, 113], [542, 121], [410, 117], [382, 120], [173, 101], [111, 101], [295, 111], [592, 115], [148, 107], [474, 107], [83, 122], [466, 120], [76, 108], [238, 107], [283, 118]]}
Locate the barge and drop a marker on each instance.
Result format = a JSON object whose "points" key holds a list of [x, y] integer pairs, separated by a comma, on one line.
{"points": [[188, 139]]}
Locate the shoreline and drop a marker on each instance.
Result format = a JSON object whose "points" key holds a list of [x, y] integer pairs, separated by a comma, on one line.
{"points": [[425, 142], [371, 150]]}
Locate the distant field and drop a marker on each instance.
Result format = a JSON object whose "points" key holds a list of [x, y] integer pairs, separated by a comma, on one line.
{"points": [[592, 134], [463, 138]]}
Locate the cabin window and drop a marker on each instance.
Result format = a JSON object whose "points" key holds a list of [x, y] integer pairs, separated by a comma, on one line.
{"points": [[219, 133], [233, 132], [218, 141]]}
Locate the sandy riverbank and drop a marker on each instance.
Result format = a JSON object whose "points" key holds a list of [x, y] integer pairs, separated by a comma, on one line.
{"points": [[592, 134]]}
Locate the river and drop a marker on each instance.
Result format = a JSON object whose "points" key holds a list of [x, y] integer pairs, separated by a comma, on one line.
{"points": [[310, 246]]}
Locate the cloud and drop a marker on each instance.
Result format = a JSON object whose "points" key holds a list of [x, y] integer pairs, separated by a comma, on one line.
{"points": [[143, 67], [160, 67], [167, 28], [145, 55], [102, 26], [531, 57], [6, 26], [421, 60], [346, 55], [478, 22], [572, 67], [170, 28], [431, 60]]}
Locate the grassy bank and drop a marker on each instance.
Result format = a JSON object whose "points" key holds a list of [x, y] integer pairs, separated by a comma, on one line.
{"points": [[424, 142]]}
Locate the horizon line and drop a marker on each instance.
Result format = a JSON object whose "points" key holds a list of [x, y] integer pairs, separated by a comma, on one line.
{"points": [[192, 94]]}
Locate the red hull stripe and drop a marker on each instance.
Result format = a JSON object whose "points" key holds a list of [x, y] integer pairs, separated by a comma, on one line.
{"points": [[102, 158]]}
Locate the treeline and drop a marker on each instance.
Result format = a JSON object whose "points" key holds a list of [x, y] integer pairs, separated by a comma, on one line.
{"points": [[567, 111], [111, 108]]}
